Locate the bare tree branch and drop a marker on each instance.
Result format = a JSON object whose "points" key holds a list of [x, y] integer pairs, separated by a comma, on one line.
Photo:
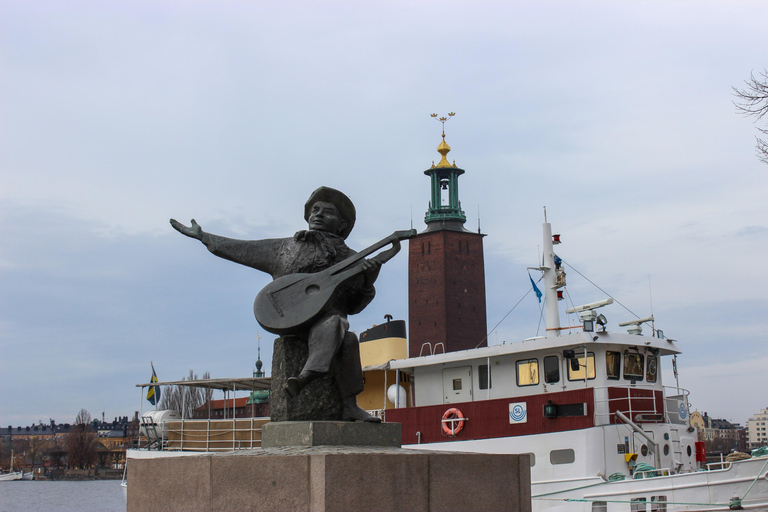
{"points": [[185, 399], [753, 102], [81, 442]]}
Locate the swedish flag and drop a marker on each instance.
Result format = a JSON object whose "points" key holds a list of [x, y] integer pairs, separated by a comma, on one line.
{"points": [[153, 395]]}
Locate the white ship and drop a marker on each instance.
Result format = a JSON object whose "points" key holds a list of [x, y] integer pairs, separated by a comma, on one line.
{"points": [[603, 431]]}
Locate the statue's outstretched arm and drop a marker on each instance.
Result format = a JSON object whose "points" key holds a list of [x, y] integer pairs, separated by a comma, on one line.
{"points": [[194, 231], [258, 254]]}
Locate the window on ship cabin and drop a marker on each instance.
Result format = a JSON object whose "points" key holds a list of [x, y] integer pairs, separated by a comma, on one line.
{"points": [[528, 372], [613, 365], [658, 504], [484, 376], [651, 369], [566, 456], [637, 505], [551, 369], [590, 367], [633, 366]]}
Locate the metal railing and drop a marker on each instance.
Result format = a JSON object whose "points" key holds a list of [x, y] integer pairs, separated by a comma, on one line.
{"points": [[212, 435], [632, 406], [377, 413]]}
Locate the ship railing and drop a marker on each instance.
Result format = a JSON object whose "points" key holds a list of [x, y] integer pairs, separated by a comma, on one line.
{"points": [[675, 407], [651, 473], [377, 413], [431, 351], [213, 435], [714, 466]]}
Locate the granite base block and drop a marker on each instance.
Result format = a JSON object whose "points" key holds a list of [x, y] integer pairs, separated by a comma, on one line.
{"points": [[330, 433], [324, 479]]}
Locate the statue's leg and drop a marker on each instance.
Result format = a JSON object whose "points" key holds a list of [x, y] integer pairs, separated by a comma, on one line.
{"points": [[347, 370], [348, 374], [324, 340]]}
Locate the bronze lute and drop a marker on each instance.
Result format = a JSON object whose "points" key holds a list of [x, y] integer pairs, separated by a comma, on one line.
{"points": [[295, 301]]}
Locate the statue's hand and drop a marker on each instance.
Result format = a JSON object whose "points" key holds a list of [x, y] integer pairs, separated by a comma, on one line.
{"points": [[194, 231], [371, 268]]}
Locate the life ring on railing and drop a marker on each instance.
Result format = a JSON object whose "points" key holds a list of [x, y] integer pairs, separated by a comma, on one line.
{"points": [[453, 422]]}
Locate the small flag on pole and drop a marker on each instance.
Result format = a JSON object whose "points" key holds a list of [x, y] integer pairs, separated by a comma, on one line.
{"points": [[153, 395], [535, 288]]}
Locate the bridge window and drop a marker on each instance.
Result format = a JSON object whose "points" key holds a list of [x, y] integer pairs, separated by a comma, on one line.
{"points": [[484, 376], [613, 365], [551, 369], [633, 366], [528, 372], [651, 369], [589, 367]]}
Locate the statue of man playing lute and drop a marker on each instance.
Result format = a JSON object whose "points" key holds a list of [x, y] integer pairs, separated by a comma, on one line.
{"points": [[334, 282]]}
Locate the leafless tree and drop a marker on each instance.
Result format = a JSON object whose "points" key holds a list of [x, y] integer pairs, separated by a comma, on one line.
{"points": [[20, 449], [753, 102], [81, 442], [185, 399], [102, 454]]}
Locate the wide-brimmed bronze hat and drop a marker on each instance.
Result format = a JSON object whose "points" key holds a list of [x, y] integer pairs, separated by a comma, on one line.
{"points": [[339, 200]]}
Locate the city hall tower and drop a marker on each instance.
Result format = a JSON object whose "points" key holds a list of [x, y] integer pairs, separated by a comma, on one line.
{"points": [[446, 273]]}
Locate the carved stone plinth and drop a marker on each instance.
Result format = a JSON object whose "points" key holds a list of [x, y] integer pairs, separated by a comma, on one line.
{"points": [[319, 401]]}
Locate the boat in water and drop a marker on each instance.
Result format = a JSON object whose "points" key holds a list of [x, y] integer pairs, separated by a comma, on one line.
{"points": [[589, 406], [11, 475]]}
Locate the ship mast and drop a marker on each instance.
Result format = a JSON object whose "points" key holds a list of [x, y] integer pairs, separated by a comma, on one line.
{"points": [[551, 310]]}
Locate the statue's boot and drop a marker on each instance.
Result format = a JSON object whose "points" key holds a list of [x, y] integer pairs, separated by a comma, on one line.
{"points": [[351, 412], [294, 385]]}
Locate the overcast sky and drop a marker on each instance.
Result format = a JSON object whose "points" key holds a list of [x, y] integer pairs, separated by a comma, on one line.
{"points": [[616, 116]]}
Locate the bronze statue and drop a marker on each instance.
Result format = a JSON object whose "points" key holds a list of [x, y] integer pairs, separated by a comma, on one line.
{"points": [[330, 216]]}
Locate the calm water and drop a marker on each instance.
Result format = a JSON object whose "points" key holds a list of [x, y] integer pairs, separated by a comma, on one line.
{"points": [[88, 496]]}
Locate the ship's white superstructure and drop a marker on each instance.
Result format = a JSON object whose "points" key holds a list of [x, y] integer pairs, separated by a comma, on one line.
{"points": [[603, 431]]}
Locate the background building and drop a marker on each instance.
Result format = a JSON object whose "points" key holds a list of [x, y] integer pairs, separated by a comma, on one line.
{"points": [[719, 436], [757, 435]]}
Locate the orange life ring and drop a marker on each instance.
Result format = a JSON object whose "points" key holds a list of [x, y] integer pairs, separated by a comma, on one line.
{"points": [[453, 422]]}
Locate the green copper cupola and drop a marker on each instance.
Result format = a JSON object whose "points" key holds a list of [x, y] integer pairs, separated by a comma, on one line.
{"points": [[444, 204]]}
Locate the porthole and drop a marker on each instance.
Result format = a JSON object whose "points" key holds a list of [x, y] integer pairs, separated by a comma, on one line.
{"points": [[644, 451], [666, 449], [690, 452]]}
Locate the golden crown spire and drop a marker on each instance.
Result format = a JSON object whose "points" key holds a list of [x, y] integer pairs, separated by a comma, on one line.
{"points": [[443, 148]]}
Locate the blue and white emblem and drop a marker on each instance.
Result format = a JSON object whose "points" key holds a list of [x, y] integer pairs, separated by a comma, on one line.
{"points": [[518, 413], [683, 411]]}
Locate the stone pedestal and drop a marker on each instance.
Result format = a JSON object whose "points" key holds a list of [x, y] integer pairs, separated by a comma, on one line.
{"points": [[331, 478], [330, 433], [319, 400]]}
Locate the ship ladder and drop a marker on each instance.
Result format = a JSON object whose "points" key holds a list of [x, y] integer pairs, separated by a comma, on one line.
{"points": [[677, 448]]}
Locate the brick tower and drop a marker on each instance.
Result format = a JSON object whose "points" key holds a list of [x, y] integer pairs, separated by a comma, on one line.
{"points": [[446, 273]]}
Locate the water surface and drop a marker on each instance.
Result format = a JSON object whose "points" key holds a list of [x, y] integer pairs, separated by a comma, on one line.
{"points": [[44, 496]]}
